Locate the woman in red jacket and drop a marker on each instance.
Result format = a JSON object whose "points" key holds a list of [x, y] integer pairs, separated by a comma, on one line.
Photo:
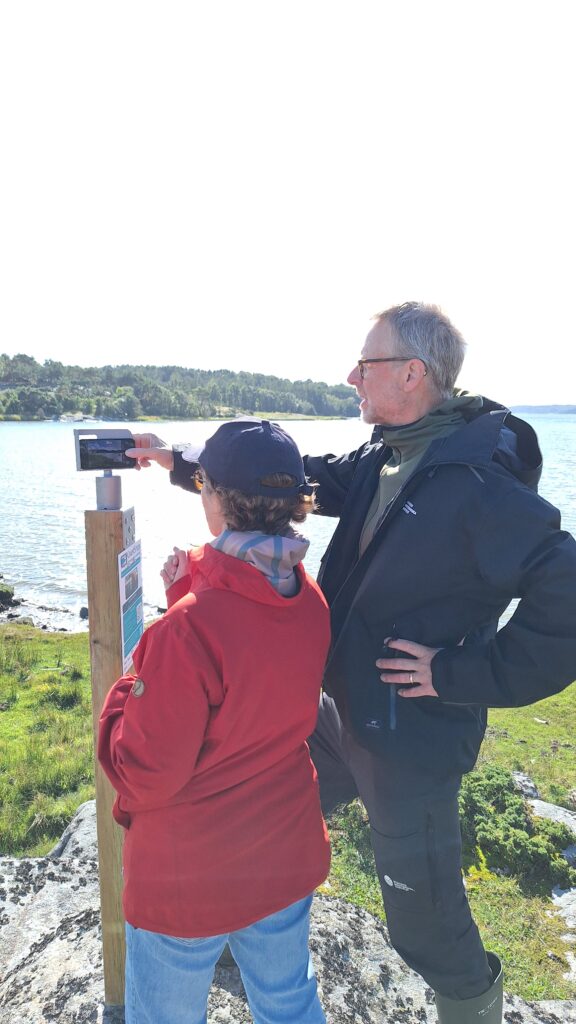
{"points": [[206, 748]]}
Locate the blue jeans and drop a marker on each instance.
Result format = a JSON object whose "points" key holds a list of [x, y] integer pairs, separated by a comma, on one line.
{"points": [[168, 979]]}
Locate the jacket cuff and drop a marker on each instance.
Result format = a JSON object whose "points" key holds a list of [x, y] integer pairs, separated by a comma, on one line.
{"points": [[181, 475], [178, 590], [443, 679]]}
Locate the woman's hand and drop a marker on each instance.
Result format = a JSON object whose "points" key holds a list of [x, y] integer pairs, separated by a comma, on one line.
{"points": [[175, 567], [416, 670], [149, 448]]}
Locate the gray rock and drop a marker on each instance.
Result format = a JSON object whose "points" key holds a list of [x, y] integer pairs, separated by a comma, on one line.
{"points": [[50, 951], [562, 1010], [7, 599], [553, 813], [525, 784], [79, 839], [564, 901], [544, 810], [570, 854]]}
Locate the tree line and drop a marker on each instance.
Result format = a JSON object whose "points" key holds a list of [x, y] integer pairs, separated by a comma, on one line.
{"points": [[35, 391]]}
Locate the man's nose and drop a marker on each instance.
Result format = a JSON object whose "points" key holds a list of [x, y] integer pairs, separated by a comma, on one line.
{"points": [[354, 377]]}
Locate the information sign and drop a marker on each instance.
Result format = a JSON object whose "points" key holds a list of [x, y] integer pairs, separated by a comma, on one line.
{"points": [[131, 604]]}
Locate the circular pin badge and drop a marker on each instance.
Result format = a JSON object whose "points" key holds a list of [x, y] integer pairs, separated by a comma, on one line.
{"points": [[138, 688]]}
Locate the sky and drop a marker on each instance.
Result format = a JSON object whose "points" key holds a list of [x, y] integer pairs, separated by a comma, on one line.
{"points": [[242, 185]]}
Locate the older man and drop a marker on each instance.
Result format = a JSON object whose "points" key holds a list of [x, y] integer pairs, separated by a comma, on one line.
{"points": [[440, 528]]}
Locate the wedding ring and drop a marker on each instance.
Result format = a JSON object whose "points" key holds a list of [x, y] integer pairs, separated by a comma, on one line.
{"points": [[411, 678]]}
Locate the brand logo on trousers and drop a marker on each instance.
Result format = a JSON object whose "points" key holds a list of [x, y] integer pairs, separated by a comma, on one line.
{"points": [[409, 509], [398, 885], [486, 1009]]}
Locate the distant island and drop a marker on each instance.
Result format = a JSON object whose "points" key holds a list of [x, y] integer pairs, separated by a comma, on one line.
{"points": [[38, 391], [50, 391], [544, 408]]}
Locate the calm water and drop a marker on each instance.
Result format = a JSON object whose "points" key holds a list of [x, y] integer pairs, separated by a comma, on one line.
{"points": [[43, 497]]}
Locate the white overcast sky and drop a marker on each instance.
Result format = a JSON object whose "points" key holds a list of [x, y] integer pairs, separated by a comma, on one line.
{"points": [[243, 183]]}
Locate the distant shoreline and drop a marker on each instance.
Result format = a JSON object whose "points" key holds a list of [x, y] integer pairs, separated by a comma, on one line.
{"points": [[557, 409], [544, 408], [168, 419]]}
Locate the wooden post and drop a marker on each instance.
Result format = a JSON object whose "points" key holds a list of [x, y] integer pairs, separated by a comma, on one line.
{"points": [[106, 537]]}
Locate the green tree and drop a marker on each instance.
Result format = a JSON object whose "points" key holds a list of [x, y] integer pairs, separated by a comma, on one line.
{"points": [[51, 373]]}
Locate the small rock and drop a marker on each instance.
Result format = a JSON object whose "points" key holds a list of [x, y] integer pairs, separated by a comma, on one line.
{"points": [[570, 974], [7, 599], [83, 613], [564, 901], [525, 784], [570, 854]]}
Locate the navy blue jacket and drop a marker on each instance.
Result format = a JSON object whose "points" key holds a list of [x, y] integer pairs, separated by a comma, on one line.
{"points": [[464, 536]]}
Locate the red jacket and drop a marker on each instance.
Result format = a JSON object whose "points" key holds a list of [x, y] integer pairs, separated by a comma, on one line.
{"points": [[207, 751]]}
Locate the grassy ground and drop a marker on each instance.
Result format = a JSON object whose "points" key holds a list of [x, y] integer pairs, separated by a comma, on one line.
{"points": [[46, 759], [539, 740], [46, 771]]}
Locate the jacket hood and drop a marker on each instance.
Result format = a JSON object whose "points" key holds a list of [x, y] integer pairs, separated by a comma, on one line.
{"points": [[492, 434], [219, 571]]}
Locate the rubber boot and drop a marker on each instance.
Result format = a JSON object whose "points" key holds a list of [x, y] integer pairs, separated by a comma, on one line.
{"points": [[484, 1009]]}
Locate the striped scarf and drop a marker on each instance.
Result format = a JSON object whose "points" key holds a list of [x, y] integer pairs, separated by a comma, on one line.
{"points": [[273, 555]]}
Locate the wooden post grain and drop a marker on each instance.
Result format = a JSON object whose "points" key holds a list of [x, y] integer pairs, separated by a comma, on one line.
{"points": [[104, 541]]}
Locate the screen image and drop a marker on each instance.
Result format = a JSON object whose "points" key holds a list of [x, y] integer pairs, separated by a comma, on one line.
{"points": [[105, 452]]}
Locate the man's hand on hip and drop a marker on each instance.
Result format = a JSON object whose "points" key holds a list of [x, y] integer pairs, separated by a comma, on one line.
{"points": [[414, 672]]}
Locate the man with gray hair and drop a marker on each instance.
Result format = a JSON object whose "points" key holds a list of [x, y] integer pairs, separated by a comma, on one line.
{"points": [[440, 527]]}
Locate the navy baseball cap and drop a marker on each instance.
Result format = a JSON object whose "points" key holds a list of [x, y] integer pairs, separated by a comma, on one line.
{"points": [[243, 452]]}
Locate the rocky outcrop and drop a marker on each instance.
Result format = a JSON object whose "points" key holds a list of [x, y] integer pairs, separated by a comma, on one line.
{"points": [[52, 969], [7, 599]]}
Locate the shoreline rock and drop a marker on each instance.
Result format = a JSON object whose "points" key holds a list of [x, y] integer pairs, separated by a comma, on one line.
{"points": [[45, 617], [7, 599], [52, 962]]}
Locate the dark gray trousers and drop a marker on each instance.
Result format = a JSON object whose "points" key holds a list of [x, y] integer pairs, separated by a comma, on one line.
{"points": [[417, 849]]}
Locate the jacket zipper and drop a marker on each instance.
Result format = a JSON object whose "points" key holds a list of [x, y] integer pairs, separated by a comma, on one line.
{"points": [[392, 707], [393, 693]]}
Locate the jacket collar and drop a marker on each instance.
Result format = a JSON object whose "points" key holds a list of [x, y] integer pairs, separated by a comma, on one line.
{"points": [[219, 571], [490, 434]]}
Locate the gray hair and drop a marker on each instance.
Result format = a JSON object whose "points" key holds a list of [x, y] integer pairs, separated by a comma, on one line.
{"points": [[425, 332]]}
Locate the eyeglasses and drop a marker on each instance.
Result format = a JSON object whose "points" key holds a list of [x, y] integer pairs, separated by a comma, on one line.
{"points": [[362, 363], [198, 480]]}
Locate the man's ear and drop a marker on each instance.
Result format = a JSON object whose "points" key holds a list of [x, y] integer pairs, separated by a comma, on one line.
{"points": [[414, 374]]}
